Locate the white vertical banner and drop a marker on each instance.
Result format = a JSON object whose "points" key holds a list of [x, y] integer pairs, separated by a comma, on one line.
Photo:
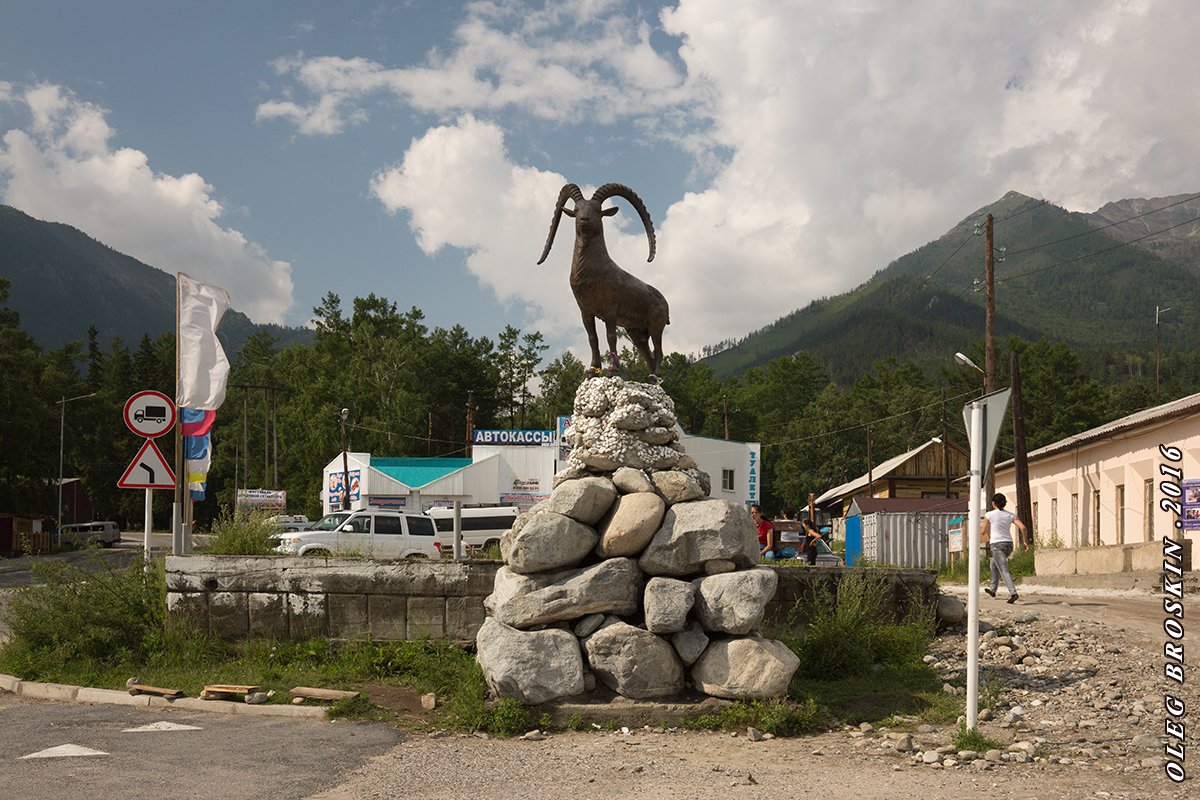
{"points": [[203, 367]]}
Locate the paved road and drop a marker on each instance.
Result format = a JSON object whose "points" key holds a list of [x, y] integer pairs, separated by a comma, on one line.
{"points": [[228, 757]]}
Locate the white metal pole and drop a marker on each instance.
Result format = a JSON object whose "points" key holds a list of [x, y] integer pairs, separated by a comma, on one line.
{"points": [[458, 544], [62, 427], [149, 522], [176, 526], [973, 526]]}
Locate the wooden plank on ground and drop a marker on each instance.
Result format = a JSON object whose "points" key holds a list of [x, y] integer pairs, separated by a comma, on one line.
{"points": [[230, 688], [322, 694]]}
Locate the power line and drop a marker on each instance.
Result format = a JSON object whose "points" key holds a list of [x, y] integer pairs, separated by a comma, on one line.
{"points": [[971, 393], [1103, 227], [1038, 204], [1099, 252]]}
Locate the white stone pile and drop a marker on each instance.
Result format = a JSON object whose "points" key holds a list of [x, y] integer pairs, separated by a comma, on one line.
{"points": [[627, 574]]}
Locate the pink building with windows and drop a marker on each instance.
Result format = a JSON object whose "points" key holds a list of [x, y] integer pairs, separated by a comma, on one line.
{"points": [[1109, 485]]}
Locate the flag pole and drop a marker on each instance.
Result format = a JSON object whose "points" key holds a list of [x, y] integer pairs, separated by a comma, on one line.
{"points": [[180, 476]]}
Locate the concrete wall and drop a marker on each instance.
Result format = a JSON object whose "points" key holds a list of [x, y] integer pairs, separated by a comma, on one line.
{"points": [[297, 598], [291, 598], [1112, 560]]}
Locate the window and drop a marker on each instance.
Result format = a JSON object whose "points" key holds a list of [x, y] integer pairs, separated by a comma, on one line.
{"points": [[497, 523], [423, 526], [1096, 517], [1075, 537], [1148, 525], [388, 525], [727, 480], [358, 525], [1119, 501]]}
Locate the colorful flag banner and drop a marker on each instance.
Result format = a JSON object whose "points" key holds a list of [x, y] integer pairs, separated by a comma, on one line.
{"points": [[197, 449], [196, 421], [203, 367]]}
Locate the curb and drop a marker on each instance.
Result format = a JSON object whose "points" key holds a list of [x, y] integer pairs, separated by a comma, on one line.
{"points": [[87, 694]]}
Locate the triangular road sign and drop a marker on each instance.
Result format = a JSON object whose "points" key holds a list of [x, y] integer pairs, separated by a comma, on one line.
{"points": [[994, 406], [148, 470]]}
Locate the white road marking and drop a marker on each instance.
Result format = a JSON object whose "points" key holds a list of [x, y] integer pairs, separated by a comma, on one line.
{"points": [[162, 726], [65, 750]]}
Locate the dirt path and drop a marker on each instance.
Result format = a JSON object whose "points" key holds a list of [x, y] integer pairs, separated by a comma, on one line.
{"points": [[1091, 700]]}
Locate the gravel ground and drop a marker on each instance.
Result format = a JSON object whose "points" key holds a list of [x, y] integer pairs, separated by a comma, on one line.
{"points": [[1080, 715]]}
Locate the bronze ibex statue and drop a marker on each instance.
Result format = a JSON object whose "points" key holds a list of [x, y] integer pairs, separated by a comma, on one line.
{"points": [[604, 290]]}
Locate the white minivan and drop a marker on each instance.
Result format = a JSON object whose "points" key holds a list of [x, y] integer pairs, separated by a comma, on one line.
{"points": [[481, 527], [104, 533], [370, 533]]}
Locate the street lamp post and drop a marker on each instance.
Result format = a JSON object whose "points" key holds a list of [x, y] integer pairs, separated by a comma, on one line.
{"points": [[62, 428]]}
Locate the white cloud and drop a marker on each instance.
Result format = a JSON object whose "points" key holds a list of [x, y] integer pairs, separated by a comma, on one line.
{"points": [[63, 168], [833, 136], [558, 62]]}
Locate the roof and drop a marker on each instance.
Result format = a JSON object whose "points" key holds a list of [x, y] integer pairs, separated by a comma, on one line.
{"points": [[416, 472], [907, 505], [880, 470], [1184, 406]]}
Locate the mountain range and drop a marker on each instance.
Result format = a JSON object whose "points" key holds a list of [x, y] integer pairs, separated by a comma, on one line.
{"points": [[63, 282], [1092, 280]]}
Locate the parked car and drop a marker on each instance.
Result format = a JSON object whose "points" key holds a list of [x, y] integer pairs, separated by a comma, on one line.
{"points": [[482, 527], [825, 555], [289, 522], [104, 533], [371, 533]]}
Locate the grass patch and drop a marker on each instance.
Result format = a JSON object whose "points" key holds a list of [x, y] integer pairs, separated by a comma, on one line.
{"points": [[779, 718], [242, 535], [861, 664], [1020, 565], [971, 739]]}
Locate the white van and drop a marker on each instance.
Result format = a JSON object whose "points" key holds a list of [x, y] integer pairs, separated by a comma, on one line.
{"points": [[104, 533], [370, 533], [482, 527]]}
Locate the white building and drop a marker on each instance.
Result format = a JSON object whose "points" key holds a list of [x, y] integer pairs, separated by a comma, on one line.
{"points": [[512, 468]]}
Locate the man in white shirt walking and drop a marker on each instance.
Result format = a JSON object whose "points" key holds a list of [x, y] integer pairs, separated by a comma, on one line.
{"points": [[997, 527]]}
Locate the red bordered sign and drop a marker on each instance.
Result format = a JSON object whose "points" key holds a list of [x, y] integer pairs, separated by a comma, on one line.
{"points": [[150, 414]]}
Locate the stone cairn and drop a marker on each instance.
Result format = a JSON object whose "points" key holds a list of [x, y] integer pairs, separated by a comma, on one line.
{"points": [[627, 574]]}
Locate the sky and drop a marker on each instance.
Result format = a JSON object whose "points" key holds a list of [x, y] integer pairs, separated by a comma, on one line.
{"points": [[785, 150]]}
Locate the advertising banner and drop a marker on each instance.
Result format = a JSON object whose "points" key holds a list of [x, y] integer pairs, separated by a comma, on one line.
{"points": [[336, 486], [261, 500], [514, 437], [1191, 504]]}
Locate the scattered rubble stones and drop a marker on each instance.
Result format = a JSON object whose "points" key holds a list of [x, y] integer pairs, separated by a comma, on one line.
{"points": [[627, 512]]}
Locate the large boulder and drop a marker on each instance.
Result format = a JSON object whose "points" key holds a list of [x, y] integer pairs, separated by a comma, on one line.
{"points": [[634, 662], [690, 642], [548, 541], [667, 602], [693, 533], [584, 500], [630, 481], [530, 666], [734, 602], [950, 610], [613, 586], [750, 668], [677, 486], [630, 525]]}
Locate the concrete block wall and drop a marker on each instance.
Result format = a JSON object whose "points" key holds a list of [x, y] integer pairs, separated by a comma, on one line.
{"points": [[298, 598], [799, 587], [1107, 560]]}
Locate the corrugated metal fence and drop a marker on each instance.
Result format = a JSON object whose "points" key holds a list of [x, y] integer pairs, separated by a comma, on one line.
{"points": [[906, 539]]}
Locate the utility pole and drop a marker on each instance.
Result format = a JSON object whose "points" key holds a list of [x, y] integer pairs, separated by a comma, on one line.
{"points": [[470, 429], [1024, 501], [1158, 312], [870, 466], [945, 445], [345, 462], [429, 436], [725, 415], [989, 325]]}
